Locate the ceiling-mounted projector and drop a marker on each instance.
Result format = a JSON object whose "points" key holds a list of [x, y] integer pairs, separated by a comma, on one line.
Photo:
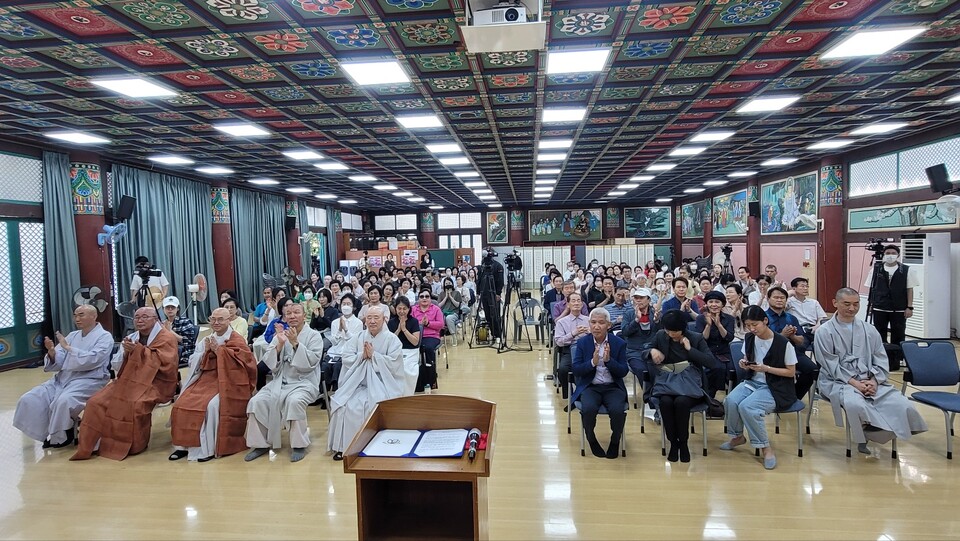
{"points": [[502, 13]]}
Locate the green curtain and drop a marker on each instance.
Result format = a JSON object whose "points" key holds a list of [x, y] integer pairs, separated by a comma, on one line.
{"points": [[304, 225], [60, 239], [332, 240], [259, 241], [172, 226]]}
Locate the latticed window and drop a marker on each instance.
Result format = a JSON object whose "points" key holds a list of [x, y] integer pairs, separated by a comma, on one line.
{"points": [[904, 170]]}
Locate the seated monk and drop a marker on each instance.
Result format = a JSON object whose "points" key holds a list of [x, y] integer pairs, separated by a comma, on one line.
{"points": [[118, 419], [210, 416], [81, 363]]}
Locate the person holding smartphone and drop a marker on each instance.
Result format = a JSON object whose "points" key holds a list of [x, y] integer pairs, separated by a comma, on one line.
{"points": [[770, 364]]}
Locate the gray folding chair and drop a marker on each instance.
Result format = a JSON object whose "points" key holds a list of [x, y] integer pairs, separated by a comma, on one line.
{"points": [[933, 363]]}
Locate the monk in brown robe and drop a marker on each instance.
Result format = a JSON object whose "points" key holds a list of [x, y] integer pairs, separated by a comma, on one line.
{"points": [[210, 417], [118, 419]]}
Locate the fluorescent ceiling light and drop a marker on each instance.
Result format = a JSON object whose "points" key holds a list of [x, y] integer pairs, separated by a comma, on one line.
{"points": [[585, 61], [716, 182], [475, 184], [495, 205], [466, 174], [416, 200], [778, 161], [564, 114], [542, 195], [642, 178], [872, 42], [435, 207], [554, 143], [548, 171], [440, 148], [545, 181], [687, 151], [170, 160], [661, 167], [325, 196], [347, 201], [954, 99], [456, 160], [551, 157], [487, 197], [412, 122], [765, 105], [375, 73], [403, 194], [831, 144], [693, 190], [880, 127], [134, 87], [304, 155], [77, 137], [741, 174], [616, 193], [241, 130], [384, 187], [712, 136], [263, 181], [543, 188], [482, 190], [331, 166], [628, 185], [601, 201], [299, 190], [214, 170], [362, 178], [664, 200]]}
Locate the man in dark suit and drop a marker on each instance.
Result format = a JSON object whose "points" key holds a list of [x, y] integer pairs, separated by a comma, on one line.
{"points": [[599, 366]]}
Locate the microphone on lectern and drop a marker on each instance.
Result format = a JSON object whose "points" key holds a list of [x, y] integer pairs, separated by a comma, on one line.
{"points": [[474, 438]]}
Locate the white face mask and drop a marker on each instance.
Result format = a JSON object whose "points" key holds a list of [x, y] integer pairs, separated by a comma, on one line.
{"points": [[693, 266], [661, 287], [665, 268], [308, 296], [890, 259], [346, 309]]}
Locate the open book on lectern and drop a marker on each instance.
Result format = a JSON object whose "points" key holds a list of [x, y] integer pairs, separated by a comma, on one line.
{"points": [[446, 443]]}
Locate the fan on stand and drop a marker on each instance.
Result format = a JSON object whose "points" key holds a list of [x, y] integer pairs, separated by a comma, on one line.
{"points": [[111, 234], [289, 277], [269, 281], [89, 295], [198, 292]]}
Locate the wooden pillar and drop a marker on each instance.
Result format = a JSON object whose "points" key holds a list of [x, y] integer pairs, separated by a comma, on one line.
{"points": [[293, 236], [428, 230], [222, 236], [753, 229], [517, 227], [88, 218], [830, 246]]}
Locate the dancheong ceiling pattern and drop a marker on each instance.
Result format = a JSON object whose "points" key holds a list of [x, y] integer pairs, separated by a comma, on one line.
{"points": [[675, 69]]}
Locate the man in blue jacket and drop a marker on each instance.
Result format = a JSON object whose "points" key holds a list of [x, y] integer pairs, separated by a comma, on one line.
{"points": [[599, 366]]}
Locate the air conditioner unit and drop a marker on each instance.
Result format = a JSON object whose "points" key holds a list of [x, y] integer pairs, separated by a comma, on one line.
{"points": [[504, 13], [928, 255]]}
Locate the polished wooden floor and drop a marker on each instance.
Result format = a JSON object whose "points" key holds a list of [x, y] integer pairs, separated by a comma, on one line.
{"points": [[541, 488]]}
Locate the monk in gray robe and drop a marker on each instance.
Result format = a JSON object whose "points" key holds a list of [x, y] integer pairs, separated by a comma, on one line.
{"points": [[372, 371], [854, 376], [81, 361], [294, 357]]}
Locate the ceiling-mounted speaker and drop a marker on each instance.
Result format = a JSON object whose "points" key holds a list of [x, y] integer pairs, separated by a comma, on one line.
{"points": [[754, 207], [939, 179], [290, 223]]}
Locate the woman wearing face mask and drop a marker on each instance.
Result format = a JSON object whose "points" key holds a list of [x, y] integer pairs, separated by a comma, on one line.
{"points": [[759, 297], [660, 294], [309, 302], [345, 328], [407, 329]]}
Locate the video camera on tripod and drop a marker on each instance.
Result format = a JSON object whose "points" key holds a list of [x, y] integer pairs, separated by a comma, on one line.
{"points": [[877, 246], [514, 268], [146, 272]]}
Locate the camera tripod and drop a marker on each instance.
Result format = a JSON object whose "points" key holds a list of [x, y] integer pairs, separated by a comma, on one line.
{"points": [[513, 284], [874, 276], [486, 299]]}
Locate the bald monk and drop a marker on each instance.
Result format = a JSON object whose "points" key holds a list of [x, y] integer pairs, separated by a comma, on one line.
{"points": [[209, 418], [81, 363], [117, 420]]}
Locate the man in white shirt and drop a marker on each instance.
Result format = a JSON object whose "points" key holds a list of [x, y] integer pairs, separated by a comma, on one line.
{"points": [[156, 282], [807, 311]]}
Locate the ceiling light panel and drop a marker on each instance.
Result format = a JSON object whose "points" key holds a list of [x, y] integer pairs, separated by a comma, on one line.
{"points": [[767, 104], [586, 61], [263, 181], [362, 178], [170, 160], [831, 144], [551, 157], [880, 127], [455, 160], [873, 42], [466, 174], [443, 148], [546, 144], [304, 155], [242, 129], [687, 151], [415, 122], [548, 171], [564, 114], [742, 174], [375, 73], [134, 87], [661, 167], [778, 161], [76, 137], [331, 166], [214, 170], [712, 136]]}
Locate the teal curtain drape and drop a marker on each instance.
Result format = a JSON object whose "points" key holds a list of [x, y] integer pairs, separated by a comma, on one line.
{"points": [[60, 238], [332, 241], [172, 226], [259, 241], [304, 224]]}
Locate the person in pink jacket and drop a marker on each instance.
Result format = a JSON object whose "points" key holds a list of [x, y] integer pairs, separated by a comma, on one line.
{"points": [[431, 322]]}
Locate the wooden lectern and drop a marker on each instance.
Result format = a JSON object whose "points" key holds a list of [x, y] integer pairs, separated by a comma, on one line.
{"points": [[423, 498]]}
